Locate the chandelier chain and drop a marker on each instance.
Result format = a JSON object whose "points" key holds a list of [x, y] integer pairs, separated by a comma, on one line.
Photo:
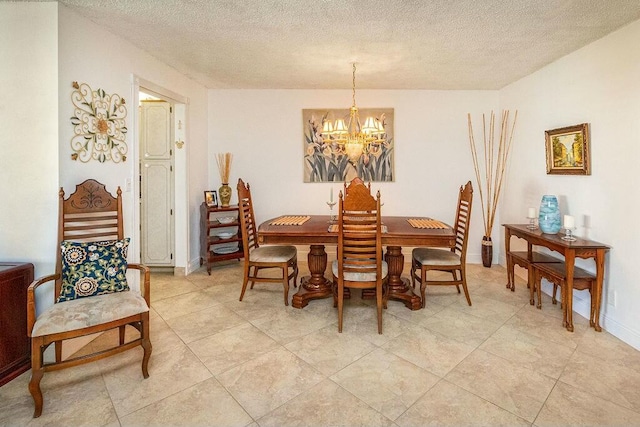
{"points": [[354, 84]]}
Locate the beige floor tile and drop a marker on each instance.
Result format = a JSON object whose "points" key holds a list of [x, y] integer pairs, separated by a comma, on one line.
{"points": [[519, 390], [607, 380], [289, 386], [326, 404], [461, 326], [194, 326], [169, 372], [232, 347], [533, 322], [433, 352], [362, 321], [180, 305], [446, 404], [263, 384], [288, 324], [169, 288], [204, 404], [605, 346], [329, 351], [528, 351], [487, 308], [73, 397], [386, 382], [568, 406]]}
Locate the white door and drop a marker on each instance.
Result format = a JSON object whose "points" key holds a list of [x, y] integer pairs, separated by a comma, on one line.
{"points": [[156, 184]]}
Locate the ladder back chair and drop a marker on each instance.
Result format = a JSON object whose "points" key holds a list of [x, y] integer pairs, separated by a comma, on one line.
{"points": [[90, 288], [359, 263], [258, 257], [453, 261]]}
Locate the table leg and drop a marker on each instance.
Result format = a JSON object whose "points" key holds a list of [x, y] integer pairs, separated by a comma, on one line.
{"points": [[598, 290], [569, 260], [399, 288], [507, 246], [315, 286]]}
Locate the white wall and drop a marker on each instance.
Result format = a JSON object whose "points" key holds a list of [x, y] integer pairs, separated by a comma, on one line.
{"points": [[264, 131], [90, 54], [29, 136], [598, 84]]}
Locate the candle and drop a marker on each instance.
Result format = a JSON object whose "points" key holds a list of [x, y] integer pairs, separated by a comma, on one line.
{"points": [[569, 222], [532, 213], [331, 195]]}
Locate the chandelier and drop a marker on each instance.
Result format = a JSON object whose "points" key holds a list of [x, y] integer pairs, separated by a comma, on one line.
{"points": [[354, 139]]}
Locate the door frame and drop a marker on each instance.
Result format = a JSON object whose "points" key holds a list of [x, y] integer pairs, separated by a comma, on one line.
{"points": [[181, 171]]}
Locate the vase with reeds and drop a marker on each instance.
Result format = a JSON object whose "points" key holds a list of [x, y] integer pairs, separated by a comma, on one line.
{"points": [[224, 167], [490, 172]]}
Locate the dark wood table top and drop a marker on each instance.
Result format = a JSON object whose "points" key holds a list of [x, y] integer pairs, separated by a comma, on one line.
{"points": [[316, 231], [555, 239]]}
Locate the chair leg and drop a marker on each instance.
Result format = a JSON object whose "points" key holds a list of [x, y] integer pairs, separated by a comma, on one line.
{"points": [[36, 375], [285, 283], [463, 276], [555, 288], [245, 280], [295, 272], [539, 293], [58, 351], [340, 305], [413, 274], [379, 307], [121, 332], [146, 345], [423, 285]]}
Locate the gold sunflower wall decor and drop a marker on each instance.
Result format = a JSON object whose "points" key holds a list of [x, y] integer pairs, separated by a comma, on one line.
{"points": [[99, 127]]}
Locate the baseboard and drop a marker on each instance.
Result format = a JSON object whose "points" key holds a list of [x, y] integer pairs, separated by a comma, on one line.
{"points": [[193, 265]]}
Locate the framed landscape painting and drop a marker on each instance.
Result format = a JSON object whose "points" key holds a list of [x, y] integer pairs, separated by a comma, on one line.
{"points": [[327, 161], [568, 151]]}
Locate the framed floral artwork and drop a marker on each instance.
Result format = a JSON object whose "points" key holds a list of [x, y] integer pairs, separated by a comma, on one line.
{"points": [[327, 159], [568, 150]]}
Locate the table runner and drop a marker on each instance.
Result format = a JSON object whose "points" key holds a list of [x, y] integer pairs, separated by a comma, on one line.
{"points": [[290, 220], [426, 223]]}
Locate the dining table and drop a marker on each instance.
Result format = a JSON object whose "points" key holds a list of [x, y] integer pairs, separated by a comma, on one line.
{"points": [[316, 231]]}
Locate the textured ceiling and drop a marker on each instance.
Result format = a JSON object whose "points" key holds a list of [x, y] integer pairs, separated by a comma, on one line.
{"points": [[397, 44]]}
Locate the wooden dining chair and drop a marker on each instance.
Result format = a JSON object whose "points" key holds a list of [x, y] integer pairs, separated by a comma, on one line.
{"points": [[256, 257], [359, 263], [454, 260], [90, 286]]}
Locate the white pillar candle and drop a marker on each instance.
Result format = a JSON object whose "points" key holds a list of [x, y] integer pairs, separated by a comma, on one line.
{"points": [[532, 213], [331, 195], [569, 222]]}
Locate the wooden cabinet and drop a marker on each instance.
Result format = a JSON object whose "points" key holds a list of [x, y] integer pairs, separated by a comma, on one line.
{"points": [[15, 347], [219, 241]]}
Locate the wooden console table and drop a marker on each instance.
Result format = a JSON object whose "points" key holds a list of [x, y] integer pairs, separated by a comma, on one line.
{"points": [[580, 248], [15, 346], [315, 232]]}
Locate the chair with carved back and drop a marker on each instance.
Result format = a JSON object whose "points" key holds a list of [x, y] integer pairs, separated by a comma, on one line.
{"points": [[91, 293], [256, 257], [359, 262], [454, 260]]}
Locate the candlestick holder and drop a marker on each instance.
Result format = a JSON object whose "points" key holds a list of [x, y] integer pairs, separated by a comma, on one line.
{"points": [[332, 217], [568, 236], [532, 224]]}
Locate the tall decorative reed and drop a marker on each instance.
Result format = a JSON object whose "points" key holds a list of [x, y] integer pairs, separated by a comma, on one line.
{"points": [[490, 172], [224, 166]]}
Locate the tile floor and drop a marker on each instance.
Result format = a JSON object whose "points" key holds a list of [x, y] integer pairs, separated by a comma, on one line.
{"points": [[220, 362]]}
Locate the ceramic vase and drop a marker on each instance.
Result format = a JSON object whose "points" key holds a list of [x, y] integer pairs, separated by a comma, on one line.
{"points": [[225, 195], [487, 251], [549, 215]]}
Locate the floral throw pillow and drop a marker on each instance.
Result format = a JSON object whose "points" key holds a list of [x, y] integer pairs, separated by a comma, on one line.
{"points": [[93, 268]]}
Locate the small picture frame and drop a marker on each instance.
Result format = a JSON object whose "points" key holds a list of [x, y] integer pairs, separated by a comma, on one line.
{"points": [[211, 198], [568, 150]]}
